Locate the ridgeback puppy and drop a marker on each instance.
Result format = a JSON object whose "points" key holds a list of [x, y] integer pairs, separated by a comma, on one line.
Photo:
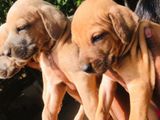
{"points": [[37, 29], [10, 66], [111, 41]]}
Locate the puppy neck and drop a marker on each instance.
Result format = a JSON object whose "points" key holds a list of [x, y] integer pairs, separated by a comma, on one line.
{"points": [[66, 35]]}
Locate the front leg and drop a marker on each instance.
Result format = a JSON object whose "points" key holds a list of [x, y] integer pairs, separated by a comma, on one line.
{"points": [[106, 95], [87, 89], [52, 97], [53, 88], [80, 114], [140, 96]]}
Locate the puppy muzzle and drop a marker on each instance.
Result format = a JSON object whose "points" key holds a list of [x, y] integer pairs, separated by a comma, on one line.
{"points": [[22, 52], [100, 66], [96, 67]]}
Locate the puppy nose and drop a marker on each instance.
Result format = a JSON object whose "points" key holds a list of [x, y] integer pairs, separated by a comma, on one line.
{"points": [[88, 68]]}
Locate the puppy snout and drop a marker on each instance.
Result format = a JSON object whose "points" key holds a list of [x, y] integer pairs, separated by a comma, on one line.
{"points": [[24, 51], [20, 52], [88, 68]]}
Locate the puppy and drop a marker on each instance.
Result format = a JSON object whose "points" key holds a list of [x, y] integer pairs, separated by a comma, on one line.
{"points": [[38, 30], [9, 66], [111, 41]]}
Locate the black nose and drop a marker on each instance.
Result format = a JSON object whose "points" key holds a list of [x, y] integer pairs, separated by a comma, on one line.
{"points": [[88, 68]]}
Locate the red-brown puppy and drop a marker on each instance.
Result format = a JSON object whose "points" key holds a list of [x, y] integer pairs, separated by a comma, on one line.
{"points": [[110, 37]]}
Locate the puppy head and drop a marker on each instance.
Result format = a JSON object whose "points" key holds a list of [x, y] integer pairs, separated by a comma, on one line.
{"points": [[32, 26], [101, 29]]}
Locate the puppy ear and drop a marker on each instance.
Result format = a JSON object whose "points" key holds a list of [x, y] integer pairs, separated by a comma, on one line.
{"points": [[54, 21], [124, 22]]}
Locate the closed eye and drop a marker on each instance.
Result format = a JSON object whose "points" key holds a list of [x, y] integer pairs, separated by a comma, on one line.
{"points": [[23, 27], [98, 37]]}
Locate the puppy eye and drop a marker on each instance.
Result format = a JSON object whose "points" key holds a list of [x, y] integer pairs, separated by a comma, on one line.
{"points": [[98, 37], [23, 27]]}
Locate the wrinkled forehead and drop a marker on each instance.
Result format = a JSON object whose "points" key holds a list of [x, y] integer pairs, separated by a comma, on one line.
{"points": [[89, 17], [84, 13], [21, 9], [91, 9]]}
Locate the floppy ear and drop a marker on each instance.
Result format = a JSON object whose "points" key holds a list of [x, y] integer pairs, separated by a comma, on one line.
{"points": [[54, 21], [124, 22]]}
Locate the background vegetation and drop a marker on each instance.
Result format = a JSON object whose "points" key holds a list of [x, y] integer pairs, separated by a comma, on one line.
{"points": [[66, 6]]}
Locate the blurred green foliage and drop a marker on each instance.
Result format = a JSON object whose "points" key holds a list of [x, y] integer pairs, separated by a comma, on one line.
{"points": [[4, 6], [66, 6]]}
